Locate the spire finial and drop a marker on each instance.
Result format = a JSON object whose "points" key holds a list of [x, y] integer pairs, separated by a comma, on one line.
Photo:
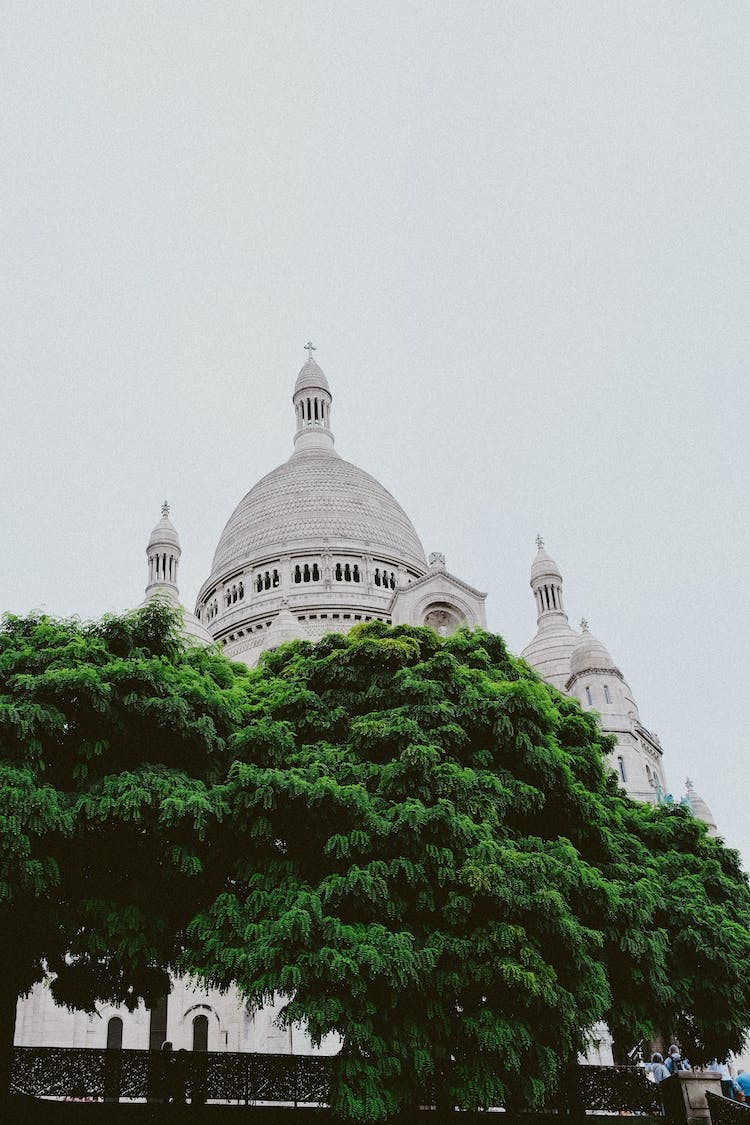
{"points": [[584, 623], [165, 510], [539, 542], [688, 783], [310, 348]]}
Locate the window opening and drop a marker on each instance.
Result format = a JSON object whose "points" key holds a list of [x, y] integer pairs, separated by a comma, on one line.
{"points": [[297, 574], [315, 572], [200, 1033], [588, 696], [621, 767], [114, 1034], [606, 694]]}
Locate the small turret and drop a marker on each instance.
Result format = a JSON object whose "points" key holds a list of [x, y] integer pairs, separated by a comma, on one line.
{"points": [[699, 807], [549, 652], [312, 407], [163, 554]]}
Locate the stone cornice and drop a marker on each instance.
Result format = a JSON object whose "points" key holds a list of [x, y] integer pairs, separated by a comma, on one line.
{"points": [[594, 672], [444, 574]]}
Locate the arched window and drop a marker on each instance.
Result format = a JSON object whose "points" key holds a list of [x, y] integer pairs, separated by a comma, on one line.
{"points": [[275, 580], [355, 573], [306, 572], [588, 696], [241, 590], [606, 694], [114, 1034], [200, 1033], [266, 581], [393, 581], [621, 767], [315, 573], [297, 574], [347, 573], [259, 583], [377, 576], [339, 573]]}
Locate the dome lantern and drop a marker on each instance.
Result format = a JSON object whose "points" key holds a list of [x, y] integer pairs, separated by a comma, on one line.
{"points": [[549, 651], [312, 406], [546, 582], [163, 554]]}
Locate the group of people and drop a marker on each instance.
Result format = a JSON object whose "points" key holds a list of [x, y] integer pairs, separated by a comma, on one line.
{"points": [[659, 1069], [735, 1086], [732, 1086]]}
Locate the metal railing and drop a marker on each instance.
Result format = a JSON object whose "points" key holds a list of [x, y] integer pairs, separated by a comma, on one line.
{"points": [[252, 1079], [727, 1111]]}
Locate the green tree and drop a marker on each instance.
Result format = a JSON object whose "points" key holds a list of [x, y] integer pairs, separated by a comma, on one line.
{"points": [[427, 853], [112, 736]]}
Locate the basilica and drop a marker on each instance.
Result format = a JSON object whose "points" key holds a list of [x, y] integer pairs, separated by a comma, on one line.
{"points": [[317, 545]]}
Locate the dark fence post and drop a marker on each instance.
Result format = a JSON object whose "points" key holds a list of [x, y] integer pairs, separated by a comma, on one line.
{"points": [[112, 1075]]}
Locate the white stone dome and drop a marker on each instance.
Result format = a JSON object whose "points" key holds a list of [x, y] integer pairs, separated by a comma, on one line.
{"points": [[700, 808], [589, 655], [544, 566], [164, 534], [550, 651], [311, 377], [316, 498], [193, 631]]}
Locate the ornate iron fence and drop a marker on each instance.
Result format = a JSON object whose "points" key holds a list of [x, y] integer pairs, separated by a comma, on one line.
{"points": [[726, 1111], [58, 1072]]}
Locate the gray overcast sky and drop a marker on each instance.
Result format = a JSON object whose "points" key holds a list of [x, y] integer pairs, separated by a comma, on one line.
{"points": [[517, 233]]}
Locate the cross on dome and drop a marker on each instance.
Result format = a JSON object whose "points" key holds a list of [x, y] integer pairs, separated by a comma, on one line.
{"points": [[539, 542], [584, 623], [310, 348], [165, 510]]}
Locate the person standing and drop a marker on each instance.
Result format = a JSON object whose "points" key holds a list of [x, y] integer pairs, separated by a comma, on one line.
{"points": [[743, 1081], [659, 1072], [674, 1060]]}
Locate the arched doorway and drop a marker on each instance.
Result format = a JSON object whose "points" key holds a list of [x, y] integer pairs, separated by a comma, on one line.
{"points": [[200, 1033], [114, 1034]]}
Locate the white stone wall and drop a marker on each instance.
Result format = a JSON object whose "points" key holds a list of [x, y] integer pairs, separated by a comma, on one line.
{"points": [[232, 1026]]}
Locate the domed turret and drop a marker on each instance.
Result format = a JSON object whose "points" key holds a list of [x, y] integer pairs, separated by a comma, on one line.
{"points": [[549, 652], [700, 808], [590, 655], [285, 628], [312, 406], [163, 554]]}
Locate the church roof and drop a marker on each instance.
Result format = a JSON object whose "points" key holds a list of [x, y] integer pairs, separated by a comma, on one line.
{"points": [[316, 498], [590, 654]]}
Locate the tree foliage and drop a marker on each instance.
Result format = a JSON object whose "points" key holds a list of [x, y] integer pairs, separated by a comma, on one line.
{"points": [[112, 739], [412, 838], [428, 854]]}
